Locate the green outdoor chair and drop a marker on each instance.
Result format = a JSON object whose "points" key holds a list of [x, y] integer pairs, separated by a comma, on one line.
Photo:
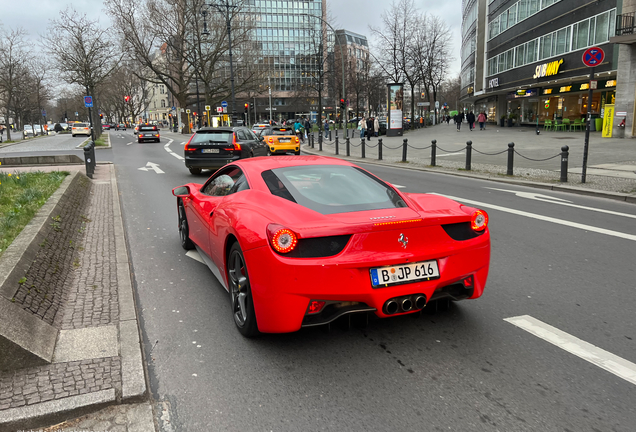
{"points": [[578, 123], [547, 125], [566, 124], [559, 126]]}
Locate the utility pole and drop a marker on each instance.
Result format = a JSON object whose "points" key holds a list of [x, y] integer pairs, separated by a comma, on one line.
{"points": [[269, 86]]}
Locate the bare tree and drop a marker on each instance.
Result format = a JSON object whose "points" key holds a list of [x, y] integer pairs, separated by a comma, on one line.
{"points": [[83, 52], [124, 95], [13, 59]]}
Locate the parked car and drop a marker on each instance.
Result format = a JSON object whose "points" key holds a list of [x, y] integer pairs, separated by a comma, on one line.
{"points": [[148, 133], [65, 126], [80, 129], [212, 148], [300, 242], [28, 131], [281, 140]]}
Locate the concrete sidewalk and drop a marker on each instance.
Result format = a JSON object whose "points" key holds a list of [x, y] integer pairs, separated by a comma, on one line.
{"points": [[80, 284]]}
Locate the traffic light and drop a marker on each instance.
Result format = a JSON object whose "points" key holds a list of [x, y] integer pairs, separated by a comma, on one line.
{"points": [[251, 105], [127, 98], [101, 116], [342, 104], [246, 107]]}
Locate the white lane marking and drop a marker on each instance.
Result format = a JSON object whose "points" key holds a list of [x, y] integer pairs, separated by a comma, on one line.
{"points": [[183, 143], [151, 166], [544, 218], [129, 143], [399, 186], [554, 200], [612, 363], [195, 256], [167, 148]]}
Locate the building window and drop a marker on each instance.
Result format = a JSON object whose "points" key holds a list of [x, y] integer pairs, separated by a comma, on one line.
{"points": [[515, 14], [163, 103]]}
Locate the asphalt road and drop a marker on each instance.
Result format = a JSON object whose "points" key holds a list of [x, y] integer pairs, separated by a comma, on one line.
{"points": [[564, 260]]}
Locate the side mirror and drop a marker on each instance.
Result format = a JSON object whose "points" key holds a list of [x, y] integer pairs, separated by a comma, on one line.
{"points": [[181, 191], [261, 138]]}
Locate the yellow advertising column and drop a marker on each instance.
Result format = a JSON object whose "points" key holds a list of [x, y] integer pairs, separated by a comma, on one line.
{"points": [[608, 120]]}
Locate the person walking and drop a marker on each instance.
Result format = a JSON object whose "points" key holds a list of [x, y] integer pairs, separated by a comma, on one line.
{"points": [[370, 127], [481, 118], [447, 119], [307, 128], [470, 118], [362, 127], [376, 127], [458, 121], [326, 128]]}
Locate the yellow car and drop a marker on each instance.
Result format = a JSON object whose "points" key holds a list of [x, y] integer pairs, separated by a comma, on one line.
{"points": [[280, 140]]}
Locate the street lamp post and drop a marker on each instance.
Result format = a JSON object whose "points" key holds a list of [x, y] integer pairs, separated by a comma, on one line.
{"points": [[223, 6]]}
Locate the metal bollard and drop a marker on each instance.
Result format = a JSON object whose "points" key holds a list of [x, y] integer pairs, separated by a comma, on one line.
{"points": [[564, 163], [469, 153], [337, 152], [88, 160], [363, 149], [348, 148], [433, 152], [379, 148], [404, 144], [320, 143], [330, 135], [511, 157]]}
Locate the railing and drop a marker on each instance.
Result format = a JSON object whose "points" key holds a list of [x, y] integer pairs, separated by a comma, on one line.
{"points": [[625, 24]]}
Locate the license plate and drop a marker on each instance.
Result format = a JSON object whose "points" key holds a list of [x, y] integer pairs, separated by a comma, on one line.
{"points": [[284, 140], [210, 151], [406, 273]]}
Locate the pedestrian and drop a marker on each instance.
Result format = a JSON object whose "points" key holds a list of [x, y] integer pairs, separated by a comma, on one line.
{"points": [[447, 119], [470, 118], [326, 128], [458, 121], [362, 127], [307, 127], [298, 129], [370, 126], [481, 118], [376, 127]]}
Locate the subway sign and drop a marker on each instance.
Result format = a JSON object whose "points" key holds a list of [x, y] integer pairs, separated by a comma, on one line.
{"points": [[547, 69]]}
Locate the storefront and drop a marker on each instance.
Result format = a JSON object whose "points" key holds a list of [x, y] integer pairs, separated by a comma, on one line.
{"points": [[489, 107], [570, 101], [523, 105]]}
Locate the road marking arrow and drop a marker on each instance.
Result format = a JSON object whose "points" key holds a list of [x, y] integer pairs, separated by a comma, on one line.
{"points": [[151, 166]]}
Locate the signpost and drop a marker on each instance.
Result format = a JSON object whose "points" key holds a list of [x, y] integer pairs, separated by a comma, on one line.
{"points": [[88, 103], [207, 112], [592, 57]]}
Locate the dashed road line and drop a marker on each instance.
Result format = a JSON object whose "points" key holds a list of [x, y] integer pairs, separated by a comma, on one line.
{"points": [[612, 363], [167, 148], [544, 218]]}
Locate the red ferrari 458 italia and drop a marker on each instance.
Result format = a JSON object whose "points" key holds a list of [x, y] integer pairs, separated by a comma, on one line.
{"points": [[300, 241]]}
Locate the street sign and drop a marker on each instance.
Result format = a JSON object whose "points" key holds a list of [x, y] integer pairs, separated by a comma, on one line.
{"points": [[224, 104], [43, 113], [88, 101], [593, 57], [174, 108], [75, 113], [224, 117], [219, 109], [436, 104], [187, 111], [594, 84], [224, 109], [621, 114], [207, 107], [423, 104]]}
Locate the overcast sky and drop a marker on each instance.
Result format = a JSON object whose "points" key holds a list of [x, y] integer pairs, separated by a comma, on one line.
{"points": [[353, 15]]}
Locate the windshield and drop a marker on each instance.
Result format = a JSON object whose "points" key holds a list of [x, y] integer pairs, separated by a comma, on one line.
{"points": [[330, 189], [211, 136], [282, 132]]}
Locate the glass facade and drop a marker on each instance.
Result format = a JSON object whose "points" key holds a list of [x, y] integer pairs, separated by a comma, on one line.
{"points": [[288, 39]]}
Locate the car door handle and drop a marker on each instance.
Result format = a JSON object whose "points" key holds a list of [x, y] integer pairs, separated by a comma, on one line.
{"points": [[211, 213]]}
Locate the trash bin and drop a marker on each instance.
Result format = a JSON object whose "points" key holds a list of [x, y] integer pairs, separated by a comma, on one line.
{"points": [[598, 122]]}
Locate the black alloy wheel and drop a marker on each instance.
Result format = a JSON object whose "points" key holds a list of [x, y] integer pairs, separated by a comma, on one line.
{"points": [[241, 293], [195, 171], [184, 229]]}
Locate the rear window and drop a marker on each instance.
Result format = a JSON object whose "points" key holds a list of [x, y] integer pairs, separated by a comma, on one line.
{"points": [[330, 189], [148, 128], [286, 131], [80, 125], [211, 136]]}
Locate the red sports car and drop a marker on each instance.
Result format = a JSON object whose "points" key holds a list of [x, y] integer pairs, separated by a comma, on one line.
{"points": [[300, 241]]}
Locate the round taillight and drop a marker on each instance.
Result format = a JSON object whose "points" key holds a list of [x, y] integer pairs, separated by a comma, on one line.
{"points": [[479, 220], [284, 240]]}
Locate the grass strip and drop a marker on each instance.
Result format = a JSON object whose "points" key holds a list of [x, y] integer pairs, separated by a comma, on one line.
{"points": [[21, 196]]}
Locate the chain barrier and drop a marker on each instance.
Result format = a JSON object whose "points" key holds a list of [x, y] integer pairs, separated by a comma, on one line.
{"points": [[448, 151], [371, 146], [419, 148], [537, 160], [392, 148], [489, 154]]}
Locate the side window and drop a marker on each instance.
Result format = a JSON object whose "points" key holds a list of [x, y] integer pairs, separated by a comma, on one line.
{"points": [[253, 135], [241, 135], [225, 182]]}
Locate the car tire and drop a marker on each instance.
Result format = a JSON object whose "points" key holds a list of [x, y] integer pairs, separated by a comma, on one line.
{"points": [[269, 153], [195, 171], [241, 299], [73, 135], [158, 140], [184, 228], [298, 152]]}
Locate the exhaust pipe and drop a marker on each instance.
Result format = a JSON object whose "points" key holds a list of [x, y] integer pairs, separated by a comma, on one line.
{"points": [[407, 304], [390, 307], [420, 302]]}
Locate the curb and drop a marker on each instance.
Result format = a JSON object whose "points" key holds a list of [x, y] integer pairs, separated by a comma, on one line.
{"points": [[540, 185], [133, 372]]}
